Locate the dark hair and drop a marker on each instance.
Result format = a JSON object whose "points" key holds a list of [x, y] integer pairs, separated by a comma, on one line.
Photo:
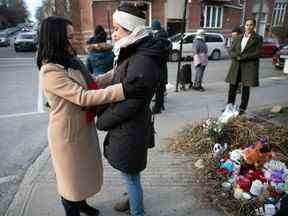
{"points": [[134, 9], [251, 19], [99, 30], [54, 46], [237, 29]]}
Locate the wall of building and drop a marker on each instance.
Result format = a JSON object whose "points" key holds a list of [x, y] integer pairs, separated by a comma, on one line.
{"points": [[280, 32], [158, 11], [101, 11], [231, 18], [194, 15]]}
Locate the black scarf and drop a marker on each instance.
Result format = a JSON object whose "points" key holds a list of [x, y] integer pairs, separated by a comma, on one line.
{"points": [[75, 63]]}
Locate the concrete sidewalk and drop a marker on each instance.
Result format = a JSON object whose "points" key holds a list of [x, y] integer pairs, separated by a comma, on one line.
{"points": [[167, 181]]}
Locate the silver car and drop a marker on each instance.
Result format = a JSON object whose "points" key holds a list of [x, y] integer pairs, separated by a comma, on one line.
{"points": [[26, 41], [4, 40], [215, 43]]}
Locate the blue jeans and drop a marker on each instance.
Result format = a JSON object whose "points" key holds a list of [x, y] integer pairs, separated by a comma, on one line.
{"points": [[135, 193], [199, 74]]}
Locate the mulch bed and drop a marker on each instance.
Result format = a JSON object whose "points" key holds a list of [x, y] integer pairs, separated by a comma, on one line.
{"points": [[238, 133]]}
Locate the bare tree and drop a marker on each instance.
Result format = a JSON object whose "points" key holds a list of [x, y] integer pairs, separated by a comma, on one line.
{"points": [[14, 15]]}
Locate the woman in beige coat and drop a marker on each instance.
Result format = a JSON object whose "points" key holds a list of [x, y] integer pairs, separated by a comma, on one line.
{"points": [[72, 136]]}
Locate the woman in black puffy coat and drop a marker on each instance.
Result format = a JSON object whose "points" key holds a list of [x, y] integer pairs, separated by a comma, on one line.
{"points": [[137, 57]]}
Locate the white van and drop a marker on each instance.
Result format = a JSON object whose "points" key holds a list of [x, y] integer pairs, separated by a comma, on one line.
{"points": [[215, 43]]}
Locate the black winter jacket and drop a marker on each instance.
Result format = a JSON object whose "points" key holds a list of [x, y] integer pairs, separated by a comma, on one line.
{"points": [[127, 122]]}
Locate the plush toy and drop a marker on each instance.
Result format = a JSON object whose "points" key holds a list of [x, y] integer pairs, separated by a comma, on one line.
{"points": [[232, 164], [218, 149], [258, 154]]}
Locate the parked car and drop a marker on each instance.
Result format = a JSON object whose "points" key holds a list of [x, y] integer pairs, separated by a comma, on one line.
{"points": [[270, 46], [277, 61], [215, 43], [26, 42], [4, 40]]}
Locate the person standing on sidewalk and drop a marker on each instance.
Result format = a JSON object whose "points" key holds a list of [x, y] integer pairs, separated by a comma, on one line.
{"points": [[245, 53], [72, 135], [200, 58], [237, 32], [100, 57], [128, 123], [160, 33]]}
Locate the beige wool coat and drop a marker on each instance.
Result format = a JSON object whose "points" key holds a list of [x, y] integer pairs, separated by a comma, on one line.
{"points": [[73, 141]]}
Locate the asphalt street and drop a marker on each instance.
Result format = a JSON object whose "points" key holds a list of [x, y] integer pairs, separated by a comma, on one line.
{"points": [[23, 129]]}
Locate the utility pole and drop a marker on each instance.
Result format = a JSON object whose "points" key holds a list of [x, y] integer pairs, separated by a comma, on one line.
{"points": [[183, 27], [17, 3], [259, 16]]}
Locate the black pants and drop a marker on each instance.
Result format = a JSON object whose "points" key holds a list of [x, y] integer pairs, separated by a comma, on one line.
{"points": [[233, 92], [159, 98], [71, 208]]}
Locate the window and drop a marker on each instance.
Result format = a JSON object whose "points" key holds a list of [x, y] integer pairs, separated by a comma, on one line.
{"points": [[213, 38], [189, 39], [175, 38], [279, 13], [213, 16]]}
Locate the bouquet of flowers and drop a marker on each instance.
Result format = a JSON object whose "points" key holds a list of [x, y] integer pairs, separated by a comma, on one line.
{"points": [[214, 129]]}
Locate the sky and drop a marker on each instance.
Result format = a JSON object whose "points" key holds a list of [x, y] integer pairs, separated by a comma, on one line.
{"points": [[32, 5]]}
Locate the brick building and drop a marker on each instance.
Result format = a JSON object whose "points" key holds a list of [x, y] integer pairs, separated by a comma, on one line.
{"points": [[212, 15], [216, 15], [270, 22]]}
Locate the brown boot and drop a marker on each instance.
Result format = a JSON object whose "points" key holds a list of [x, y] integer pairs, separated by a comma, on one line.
{"points": [[122, 205]]}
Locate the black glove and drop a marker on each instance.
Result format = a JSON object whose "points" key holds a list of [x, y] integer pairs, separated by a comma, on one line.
{"points": [[134, 88]]}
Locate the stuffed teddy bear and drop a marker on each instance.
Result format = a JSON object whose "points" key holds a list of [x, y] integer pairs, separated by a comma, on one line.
{"points": [[258, 154]]}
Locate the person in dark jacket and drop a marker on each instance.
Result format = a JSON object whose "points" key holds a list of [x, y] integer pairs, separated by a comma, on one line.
{"points": [[237, 32], [159, 32], [100, 58], [245, 53], [137, 54]]}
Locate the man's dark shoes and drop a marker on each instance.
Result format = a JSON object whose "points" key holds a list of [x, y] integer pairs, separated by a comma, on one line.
{"points": [[156, 110], [122, 206], [241, 112], [201, 89], [88, 210]]}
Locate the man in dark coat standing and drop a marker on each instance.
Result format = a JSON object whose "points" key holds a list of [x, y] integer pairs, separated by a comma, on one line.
{"points": [[245, 53], [160, 33]]}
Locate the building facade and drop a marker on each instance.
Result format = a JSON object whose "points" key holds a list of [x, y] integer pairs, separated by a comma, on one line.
{"points": [[269, 22], [218, 15], [212, 15]]}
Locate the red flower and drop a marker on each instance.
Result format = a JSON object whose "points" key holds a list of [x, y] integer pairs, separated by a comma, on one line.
{"points": [[93, 86], [90, 115], [222, 171]]}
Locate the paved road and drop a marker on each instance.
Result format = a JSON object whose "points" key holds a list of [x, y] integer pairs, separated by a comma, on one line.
{"points": [[8, 52], [18, 85], [23, 130]]}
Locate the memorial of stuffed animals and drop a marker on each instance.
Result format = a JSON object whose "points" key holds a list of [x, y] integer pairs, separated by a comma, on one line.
{"points": [[244, 159]]}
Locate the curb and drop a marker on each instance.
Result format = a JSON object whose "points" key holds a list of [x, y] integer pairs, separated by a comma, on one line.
{"points": [[22, 197]]}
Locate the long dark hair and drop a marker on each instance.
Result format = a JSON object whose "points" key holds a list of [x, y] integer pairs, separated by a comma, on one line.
{"points": [[54, 46]]}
